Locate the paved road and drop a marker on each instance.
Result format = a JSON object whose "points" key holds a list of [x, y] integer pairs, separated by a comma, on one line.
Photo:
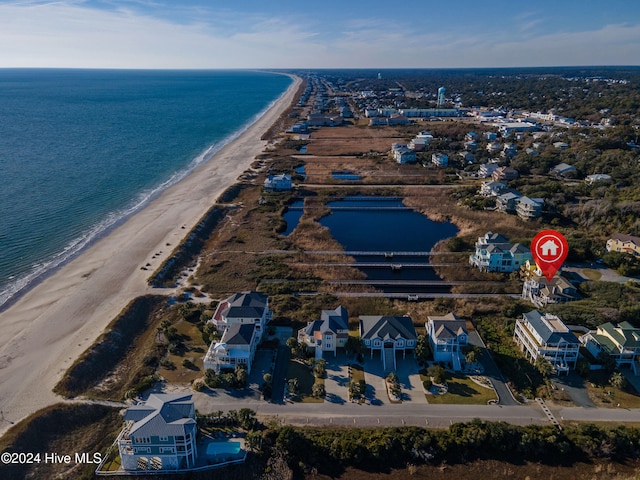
{"points": [[492, 371]]}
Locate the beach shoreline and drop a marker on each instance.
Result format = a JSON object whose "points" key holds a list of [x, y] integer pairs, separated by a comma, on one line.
{"points": [[45, 329]]}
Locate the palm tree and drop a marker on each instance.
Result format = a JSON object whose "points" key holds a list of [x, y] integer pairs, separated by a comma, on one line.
{"points": [[544, 366]]}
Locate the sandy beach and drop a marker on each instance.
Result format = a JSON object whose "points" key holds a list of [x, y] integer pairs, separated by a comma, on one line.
{"points": [[43, 333]]}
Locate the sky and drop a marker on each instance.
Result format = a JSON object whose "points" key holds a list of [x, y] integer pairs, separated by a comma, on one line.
{"points": [[221, 34]]}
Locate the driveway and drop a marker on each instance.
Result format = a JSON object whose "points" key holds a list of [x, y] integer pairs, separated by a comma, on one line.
{"points": [[337, 382], [573, 385], [492, 372], [410, 380]]}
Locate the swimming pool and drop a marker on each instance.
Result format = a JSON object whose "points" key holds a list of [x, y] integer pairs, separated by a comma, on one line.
{"points": [[221, 448]]}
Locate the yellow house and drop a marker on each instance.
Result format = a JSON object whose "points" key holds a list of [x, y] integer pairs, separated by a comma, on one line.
{"points": [[620, 242]]}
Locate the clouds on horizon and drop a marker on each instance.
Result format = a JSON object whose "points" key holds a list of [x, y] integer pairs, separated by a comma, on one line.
{"points": [[133, 35]]}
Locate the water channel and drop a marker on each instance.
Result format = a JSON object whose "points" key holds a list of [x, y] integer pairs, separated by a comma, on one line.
{"points": [[382, 225]]}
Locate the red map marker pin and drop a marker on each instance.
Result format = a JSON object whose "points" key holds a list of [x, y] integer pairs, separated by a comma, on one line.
{"points": [[549, 250]]}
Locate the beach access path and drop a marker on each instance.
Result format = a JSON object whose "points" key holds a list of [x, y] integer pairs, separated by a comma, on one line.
{"points": [[48, 328]]}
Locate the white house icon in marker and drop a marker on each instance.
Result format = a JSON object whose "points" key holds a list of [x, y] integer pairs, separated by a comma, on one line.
{"points": [[549, 248]]}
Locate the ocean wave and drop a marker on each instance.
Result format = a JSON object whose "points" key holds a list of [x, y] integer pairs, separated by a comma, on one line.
{"points": [[39, 271]]}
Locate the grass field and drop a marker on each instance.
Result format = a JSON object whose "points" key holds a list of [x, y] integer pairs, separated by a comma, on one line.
{"points": [[462, 391], [306, 379]]}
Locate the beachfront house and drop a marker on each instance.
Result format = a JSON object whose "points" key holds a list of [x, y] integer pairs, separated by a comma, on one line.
{"points": [[541, 292], [236, 347], [159, 434], [402, 153], [494, 253], [545, 336], [388, 335], [243, 308], [440, 159], [621, 342], [328, 333], [529, 208], [447, 335]]}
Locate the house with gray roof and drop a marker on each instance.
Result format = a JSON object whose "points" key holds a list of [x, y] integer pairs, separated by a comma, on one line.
{"points": [[621, 342], [541, 292], [545, 336], [244, 307], [388, 335], [494, 253], [328, 333], [159, 434], [236, 347], [528, 208], [278, 183], [447, 335]]}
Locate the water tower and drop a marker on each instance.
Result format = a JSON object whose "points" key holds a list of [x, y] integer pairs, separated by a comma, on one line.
{"points": [[441, 93]]}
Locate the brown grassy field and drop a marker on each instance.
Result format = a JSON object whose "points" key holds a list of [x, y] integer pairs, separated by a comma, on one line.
{"points": [[493, 469], [355, 140]]}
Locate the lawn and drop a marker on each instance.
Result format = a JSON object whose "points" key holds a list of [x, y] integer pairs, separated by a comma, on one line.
{"points": [[591, 274], [607, 396], [306, 379], [462, 391]]}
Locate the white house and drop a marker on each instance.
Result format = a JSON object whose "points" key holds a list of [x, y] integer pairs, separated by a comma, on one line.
{"points": [[447, 335], [541, 292], [278, 183], [494, 253], [388, 335], [159, 434], [492, 188], [598, 177], [327, 334], [546, 336], [236, 347], [487, 170], [402, 153], [243, 308]]}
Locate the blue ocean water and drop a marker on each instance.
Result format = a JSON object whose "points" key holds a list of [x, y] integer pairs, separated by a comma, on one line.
{"points": [[82, 149]]}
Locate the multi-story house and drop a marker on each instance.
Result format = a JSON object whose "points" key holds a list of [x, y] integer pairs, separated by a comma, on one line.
{"points": [[388, 335], [492, 188], [447, 335], [327, 334], [507, 202], [545, 335], [487, 170], [236, 347], [494, 253], [159, 434], [504, 174], [541, 292], [243, 308], [621, 342], [402, 153], [620, 242], [278, 183], [440, 159], [242, 318], [528, 208]]}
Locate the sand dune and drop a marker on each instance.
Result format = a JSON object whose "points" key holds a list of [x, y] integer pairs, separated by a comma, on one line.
{"points": [[49, 327]]}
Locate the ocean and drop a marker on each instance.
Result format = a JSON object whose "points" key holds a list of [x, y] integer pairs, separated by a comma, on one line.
{"points": [[80, 150]]}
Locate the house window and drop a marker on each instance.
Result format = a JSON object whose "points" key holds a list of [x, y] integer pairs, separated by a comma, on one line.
{"points": [[164, 439]]}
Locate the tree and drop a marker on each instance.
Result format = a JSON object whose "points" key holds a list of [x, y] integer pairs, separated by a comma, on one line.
{"points": [[617, 380], [607, 361], [471, 357], [354, 345], [438, 373], [247, 418], [241, 375], [544, 366], [318, 390], [320, 369], [293, 386]]}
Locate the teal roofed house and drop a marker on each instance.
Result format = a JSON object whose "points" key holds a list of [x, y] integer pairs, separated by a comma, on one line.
{"points": [[159, 434], [621, 342]]}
